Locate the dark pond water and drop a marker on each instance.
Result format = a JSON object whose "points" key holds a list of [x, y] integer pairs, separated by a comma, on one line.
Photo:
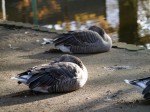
{"points": [[129, 18]]}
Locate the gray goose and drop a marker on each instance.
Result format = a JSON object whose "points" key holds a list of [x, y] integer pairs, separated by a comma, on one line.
{"points": [[93, 40], [143, 84], [65, 74]]}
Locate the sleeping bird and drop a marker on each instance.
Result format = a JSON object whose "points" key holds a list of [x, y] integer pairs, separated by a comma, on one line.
{"points": [[142, 84], [64, 74], [93, 40]]}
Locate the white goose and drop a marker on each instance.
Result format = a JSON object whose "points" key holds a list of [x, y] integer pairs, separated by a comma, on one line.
{"points": [[65, 74], [93, 40], [143, 84]]}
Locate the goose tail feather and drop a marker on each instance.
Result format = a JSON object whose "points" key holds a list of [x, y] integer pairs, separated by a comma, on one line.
{"points": [[22, 79], [143, 86], [138, 85], [137, 82], [47, 41], [19, 79], [127, 81]]}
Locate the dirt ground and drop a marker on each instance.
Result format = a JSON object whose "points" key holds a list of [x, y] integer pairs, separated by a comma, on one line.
{"points": [[105, 90]]}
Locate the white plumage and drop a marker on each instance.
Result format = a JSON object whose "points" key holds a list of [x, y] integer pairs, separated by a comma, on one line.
{"points": [[142, 84], [65, 74]]}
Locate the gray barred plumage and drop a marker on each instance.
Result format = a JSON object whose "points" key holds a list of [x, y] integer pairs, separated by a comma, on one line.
{"points": [[93, 40], [65, 74]]}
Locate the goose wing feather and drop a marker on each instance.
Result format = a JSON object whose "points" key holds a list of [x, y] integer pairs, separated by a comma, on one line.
{"points": [[77, 38], [53, 74], [147, 89], [147, 96], [148, 83]]}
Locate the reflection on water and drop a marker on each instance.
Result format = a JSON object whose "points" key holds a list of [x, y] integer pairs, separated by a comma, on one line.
{"points": [[112, 12], [130, 18], [128, 21], [34, 11], [144, 22]]}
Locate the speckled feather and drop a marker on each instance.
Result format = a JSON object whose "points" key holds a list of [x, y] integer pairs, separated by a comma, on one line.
{"points": [[93, 40], [65, 74]]}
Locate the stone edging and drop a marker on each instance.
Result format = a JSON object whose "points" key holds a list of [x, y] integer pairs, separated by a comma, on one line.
{"points": [[29, 26]]}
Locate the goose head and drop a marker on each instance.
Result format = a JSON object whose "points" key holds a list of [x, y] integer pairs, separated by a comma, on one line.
{"points": [[69, 58], [103, 34], [97, 29]]}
